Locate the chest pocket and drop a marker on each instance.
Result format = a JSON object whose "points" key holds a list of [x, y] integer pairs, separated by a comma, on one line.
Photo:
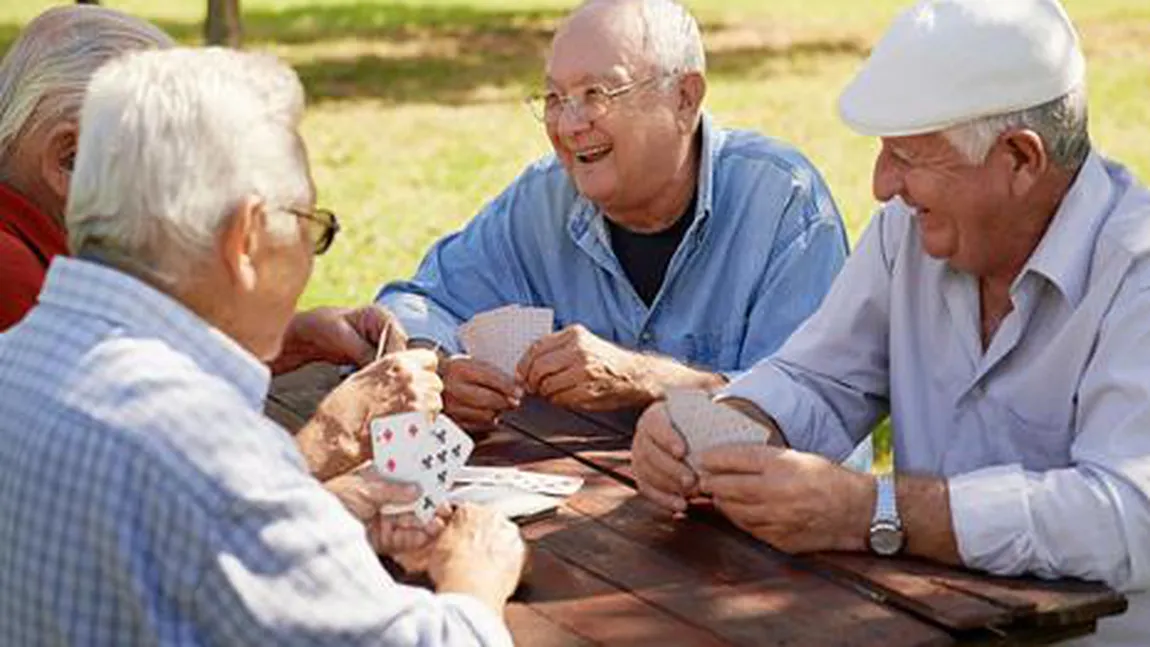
{"points": [[715, 350]]}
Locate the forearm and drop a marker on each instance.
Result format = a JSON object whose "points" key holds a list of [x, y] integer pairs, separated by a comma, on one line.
{"points": [[654, 375]]}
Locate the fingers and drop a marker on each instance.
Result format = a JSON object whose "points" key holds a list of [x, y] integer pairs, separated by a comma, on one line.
{"points": [[380, 328], [658, 461], [666, 500], [543, 364], [476, 393], [542, 346], [738, 488], [739, 458], [656, 424], [659, 470]]}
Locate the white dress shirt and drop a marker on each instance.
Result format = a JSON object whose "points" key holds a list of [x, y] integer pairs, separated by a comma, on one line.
{"points": [[1044, 437]]}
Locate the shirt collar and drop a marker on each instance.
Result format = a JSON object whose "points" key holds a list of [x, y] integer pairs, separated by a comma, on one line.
{"points": [[37, 229], [584, 213], [1063, 255], [99, 291]]}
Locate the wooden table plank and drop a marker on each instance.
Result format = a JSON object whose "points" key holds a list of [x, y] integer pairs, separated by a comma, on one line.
{"points": [[947, 593], [533, 628], [598, 612]]}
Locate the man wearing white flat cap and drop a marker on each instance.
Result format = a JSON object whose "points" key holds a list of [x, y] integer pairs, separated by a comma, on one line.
{"points": [[997, 309]]}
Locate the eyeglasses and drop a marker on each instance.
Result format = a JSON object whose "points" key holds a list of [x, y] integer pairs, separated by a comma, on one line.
{"points": [[322, 227], [592, 103]]}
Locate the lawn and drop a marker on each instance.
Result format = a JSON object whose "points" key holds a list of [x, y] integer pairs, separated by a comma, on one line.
{"points": [[416, 119]]}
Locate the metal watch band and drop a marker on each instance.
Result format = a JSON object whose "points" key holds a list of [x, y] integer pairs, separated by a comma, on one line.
{"points": [[886, 503]]}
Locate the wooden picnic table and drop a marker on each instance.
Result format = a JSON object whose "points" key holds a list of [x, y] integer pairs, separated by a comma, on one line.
{"points": [[611, 568]]}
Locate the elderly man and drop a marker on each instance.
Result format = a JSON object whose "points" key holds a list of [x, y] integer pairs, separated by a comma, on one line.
{"points": [[42, 81], [996, 307], [673, 252], [137, 467]]}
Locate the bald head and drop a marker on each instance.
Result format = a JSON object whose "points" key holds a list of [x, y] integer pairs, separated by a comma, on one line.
{"points": [[42, 82]]}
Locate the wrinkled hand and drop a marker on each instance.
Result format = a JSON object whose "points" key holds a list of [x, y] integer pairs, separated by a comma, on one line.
{"points": [[657, 454], [339, 336], [574, 368], [475, 393], [364, 493], [795, 501], [337, 437], [480, 553]]}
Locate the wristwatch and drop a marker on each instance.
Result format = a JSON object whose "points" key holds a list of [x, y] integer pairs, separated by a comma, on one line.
{"points": [[886, 534]]}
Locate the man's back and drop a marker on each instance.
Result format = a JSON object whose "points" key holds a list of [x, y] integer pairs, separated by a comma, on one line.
{"points": [[143, 498]]}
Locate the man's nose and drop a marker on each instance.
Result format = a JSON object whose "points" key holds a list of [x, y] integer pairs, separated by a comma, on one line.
{"points": [[887, 181]]}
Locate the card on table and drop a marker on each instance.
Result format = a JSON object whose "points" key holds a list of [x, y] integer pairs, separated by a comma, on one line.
{"points": [[528, 481], [706, 424], [512, 502], [501, 336]]}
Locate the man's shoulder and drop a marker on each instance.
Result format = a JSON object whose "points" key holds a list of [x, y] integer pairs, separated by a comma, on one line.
{"points": [[740, 148], [147, 395], [1125, 235]]}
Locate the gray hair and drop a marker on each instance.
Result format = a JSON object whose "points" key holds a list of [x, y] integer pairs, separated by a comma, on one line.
{"points": [[171, 142], [1061, 123], [670, 34], [45, 72]]}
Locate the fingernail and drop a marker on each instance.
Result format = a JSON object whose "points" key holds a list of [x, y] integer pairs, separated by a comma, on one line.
{"points": [[518, 394]]}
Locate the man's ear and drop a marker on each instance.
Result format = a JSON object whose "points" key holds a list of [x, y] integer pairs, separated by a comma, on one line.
{"points": [[239, 241], [692, 91], [59, 157], [1024, 153]]}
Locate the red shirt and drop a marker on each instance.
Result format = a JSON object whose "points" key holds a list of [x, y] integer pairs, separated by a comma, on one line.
{"points": [[29, 240]]}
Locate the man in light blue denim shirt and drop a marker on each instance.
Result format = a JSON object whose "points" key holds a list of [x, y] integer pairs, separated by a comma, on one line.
{"points": [[673, 252]]}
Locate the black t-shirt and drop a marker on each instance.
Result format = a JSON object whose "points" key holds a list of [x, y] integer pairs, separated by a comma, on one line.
{"points": [[645, 257]]}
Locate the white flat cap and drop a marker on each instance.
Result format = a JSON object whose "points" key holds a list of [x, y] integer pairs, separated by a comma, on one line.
{"points": [[945, 62]]}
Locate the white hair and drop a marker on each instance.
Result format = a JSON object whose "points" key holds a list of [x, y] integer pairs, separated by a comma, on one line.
{"points": [[45, 72], [672, 37], [171, 142], [670, 34], [1061, 123]]}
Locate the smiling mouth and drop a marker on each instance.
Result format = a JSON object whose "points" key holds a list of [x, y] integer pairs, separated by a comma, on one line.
{"points": [[592, 155]]}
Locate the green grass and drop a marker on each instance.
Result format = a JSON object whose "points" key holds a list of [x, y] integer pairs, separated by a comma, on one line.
{"points": [[415, 119]]}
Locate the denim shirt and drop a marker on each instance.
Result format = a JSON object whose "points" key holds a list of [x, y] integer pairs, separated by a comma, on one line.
{"points": [[766, 242]]}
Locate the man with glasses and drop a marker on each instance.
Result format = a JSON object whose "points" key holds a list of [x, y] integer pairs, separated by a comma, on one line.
{"points": [[674, 253], [145, 497]]}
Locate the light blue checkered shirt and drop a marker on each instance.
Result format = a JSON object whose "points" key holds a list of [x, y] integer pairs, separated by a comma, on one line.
{"points": [[144, 498]]}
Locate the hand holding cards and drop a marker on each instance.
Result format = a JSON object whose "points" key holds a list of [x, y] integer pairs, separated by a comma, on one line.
{"points": [[705, 424], [501, 336], [416, 448]]}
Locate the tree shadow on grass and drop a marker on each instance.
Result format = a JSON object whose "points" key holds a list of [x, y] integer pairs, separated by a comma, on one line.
{"points": [[458, 54]]}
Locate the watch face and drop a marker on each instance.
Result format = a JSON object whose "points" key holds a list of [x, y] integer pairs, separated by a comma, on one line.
{"points": [[886, 539]]}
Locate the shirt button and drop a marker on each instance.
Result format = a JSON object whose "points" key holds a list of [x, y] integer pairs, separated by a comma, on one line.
{"points": [[646, 337]]}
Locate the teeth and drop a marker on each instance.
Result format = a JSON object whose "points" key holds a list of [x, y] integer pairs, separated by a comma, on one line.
{"points": [[587, 155]]}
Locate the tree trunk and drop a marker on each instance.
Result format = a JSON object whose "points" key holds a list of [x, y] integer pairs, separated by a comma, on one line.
{"points": [[223, 24]]}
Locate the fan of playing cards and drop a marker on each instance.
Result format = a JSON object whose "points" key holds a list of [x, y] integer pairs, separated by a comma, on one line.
{"points": [[501, 336], [433, 452], [705, 424]]}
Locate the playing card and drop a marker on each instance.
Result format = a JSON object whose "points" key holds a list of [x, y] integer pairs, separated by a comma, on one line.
{"points": [[705, 424], [528, 481], [395, 441], [412, 448], [512, 502], [501, 336]]}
